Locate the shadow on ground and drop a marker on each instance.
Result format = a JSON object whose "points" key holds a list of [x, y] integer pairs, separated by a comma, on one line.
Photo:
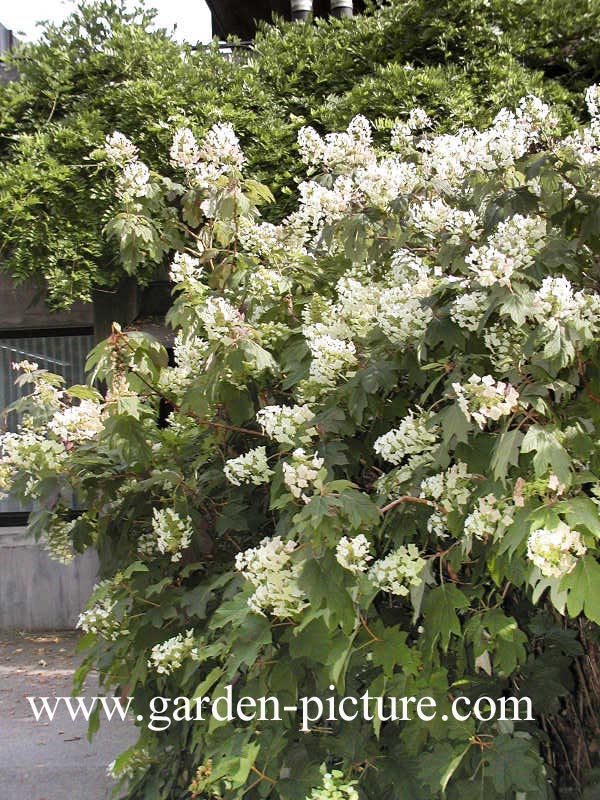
{"points": [[51, 760]]}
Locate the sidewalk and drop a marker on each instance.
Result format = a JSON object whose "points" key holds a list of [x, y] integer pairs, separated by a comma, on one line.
{"points": [[51, 760]]}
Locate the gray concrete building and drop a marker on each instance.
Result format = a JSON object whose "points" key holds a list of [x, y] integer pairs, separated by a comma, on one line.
{"points": [[235, 18], [7, 43]]}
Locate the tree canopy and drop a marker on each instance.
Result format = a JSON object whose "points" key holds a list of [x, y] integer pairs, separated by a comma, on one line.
{"points": [[104, 70]]}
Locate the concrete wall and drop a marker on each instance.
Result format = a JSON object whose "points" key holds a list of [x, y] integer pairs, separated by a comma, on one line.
{"points": [[37, 593]]}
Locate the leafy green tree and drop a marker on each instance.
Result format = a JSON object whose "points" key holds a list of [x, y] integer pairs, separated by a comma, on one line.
{"points": [[373, 469], [104, 70]]}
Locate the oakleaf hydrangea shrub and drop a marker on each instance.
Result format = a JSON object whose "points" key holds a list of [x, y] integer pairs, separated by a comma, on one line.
{"points": [[372, 468]]}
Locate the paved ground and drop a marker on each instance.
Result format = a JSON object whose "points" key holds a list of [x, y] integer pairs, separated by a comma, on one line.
{"points": [[51, 760]]}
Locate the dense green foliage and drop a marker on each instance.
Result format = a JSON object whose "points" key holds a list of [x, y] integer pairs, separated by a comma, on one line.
{"points": [[103, 70], [373, 466]]}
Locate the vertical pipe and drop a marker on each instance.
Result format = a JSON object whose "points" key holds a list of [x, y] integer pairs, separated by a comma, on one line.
{"points": [[301, 10], [342, 9]]}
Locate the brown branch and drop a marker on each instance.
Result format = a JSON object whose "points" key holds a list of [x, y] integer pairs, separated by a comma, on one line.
{"points": [[262, 775], [190, 413], [53, 109], [368, 630], [213, 424]]}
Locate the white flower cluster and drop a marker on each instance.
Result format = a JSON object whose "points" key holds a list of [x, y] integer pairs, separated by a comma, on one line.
{"points": [[134, 177], [469, 309], [221, 319], [190, 354], [173, 534], [491, 265], [119, 149], [412, 442], [511, 248], [77, 423], [218, 155], [520, 237], [319, 319], [592, 100], [354, 554], [403, 317], [272, 244], [418, 119], [25, 366], [332, 358], [536, 116], [184, 152], [134, 181], [28, 452], [483, 399], [488, 520], [101, 621], [582, 147], [45, 394], [270, 568], [341, 151], [286, 424], [335, 787], [222, 146], [381, 182], [555, 304], [398, 571], [449, 490], [301, 472], [357, 304], [251, 467], [362, 177], [168, 656], [413, 436], [186, 269], [408, 268], [450, 157], [555, 551], [433, 217], [322, 206], [401, 313]]}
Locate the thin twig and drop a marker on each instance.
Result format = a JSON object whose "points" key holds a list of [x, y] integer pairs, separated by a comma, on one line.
{"points": [[190, 412], [262, 775], [368, 630]]}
